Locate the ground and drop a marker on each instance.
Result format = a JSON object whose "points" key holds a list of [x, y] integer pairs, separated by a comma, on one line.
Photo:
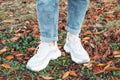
{"points": [[100, 36]]}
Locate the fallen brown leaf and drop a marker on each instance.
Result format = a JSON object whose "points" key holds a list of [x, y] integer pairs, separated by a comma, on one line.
{"points": [[19, 55], [117, 56], [14, 38], [116, 78], [88, 65], [66, 75], [9, 57], [1, 77], [5, 65], [63, 53], [85, 39], [87, 32], [8, 21], [98, 72], [97, 78], [108, 65], [97, 55], [72, 73], [30, 49], [47, 77], [27, 22], [18, 34], [53, 70], [100, 64], [112, 68], [116, 52], [117, 32], [3, 50], [79, 79]]}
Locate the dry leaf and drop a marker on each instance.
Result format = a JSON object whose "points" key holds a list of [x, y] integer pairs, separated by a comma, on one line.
{"points": [[116, 52], [79, 79], [117, 56], [72, 73], [66, 75], [88, 65], [112, 68], [14, 38], [8, 21], [86, 39], [3, 50], [60, 46], [92, 45], [30, 49], [5, 65], [53, 70], [87, 32], [19, 55], [100, 64], [97, 55], [9, 57], [110, 62], [1, 77], [97, 78], [63, 53], [108, 65], [47, 77], [117, 32], [18, 34], [116, 78], [27, 22], [98, 72]]}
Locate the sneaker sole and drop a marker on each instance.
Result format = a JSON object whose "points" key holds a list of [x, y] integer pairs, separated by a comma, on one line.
{"points": [[46, 62], [68, 51]]}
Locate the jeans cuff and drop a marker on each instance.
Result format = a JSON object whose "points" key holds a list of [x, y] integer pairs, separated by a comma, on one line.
{"points": [[73, 31], [47, 39]]}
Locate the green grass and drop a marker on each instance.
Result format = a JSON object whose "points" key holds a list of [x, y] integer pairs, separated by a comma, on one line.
{"points": [[118, 6], [114, 46]]}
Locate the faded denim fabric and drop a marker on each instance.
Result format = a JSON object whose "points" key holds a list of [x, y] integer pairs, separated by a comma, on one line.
{"points": [[48, 14]]}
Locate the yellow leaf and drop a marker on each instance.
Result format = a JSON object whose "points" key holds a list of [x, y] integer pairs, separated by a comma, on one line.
{"points": [[47, 77], [66, 75], [5, 65], [100, 64]]}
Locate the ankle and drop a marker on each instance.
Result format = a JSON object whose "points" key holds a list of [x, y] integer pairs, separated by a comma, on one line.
{"points": [[52, 43], [72, 35]]}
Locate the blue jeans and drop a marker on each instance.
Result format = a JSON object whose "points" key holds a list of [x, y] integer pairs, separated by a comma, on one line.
{"points": [[48, 14]]}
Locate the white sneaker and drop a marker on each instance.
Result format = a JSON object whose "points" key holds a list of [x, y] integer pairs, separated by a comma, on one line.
{"points": [[74, 47], [45, 53]]}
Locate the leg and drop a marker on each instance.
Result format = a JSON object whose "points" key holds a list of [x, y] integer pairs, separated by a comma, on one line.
{"points": [[47, 12], [76, 13]]}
